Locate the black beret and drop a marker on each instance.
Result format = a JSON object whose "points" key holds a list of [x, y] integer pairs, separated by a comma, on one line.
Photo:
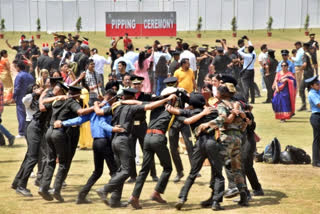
{"points": [[170, 80], [129, 91], [229, 79], [136, 79], [197, 100], [284, 52]]}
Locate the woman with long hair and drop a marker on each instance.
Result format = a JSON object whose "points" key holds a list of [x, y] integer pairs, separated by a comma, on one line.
{"points": [[284, 98], [5, 76], [161, 74], [43, 80], [141, 70]]}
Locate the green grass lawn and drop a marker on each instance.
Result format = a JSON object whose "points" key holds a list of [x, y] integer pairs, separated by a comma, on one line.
{"points": [[288, 188]]}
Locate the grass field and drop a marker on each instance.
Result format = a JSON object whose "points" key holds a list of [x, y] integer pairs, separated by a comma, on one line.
{"points": [[288, 188]]}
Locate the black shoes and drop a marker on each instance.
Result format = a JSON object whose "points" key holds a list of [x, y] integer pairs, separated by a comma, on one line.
{"points": [[230, 193], [23, 191], [58, 197], [243, 199], [178, 177], [216, 206], [82, 199], [11, 140], [258, 192], [131, 180], [208, 202], [118, 204], [302, 108], [45, 194], [180, 204]]}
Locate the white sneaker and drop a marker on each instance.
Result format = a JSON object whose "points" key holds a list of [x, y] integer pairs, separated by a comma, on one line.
{"points": [[19, 136], [265, 90]]}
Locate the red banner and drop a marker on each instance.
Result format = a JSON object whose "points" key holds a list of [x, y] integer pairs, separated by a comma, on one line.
{"points": [[141, 23]]}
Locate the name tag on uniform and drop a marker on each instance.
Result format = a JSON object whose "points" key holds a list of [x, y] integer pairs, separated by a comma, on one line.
{"points": [[136, 123]]}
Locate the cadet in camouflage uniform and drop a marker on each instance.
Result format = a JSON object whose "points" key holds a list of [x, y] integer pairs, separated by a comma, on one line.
{"points": [[230, 122]]}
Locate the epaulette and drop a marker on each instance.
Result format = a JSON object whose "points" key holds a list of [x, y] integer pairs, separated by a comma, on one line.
{"points": [[115, 106], [213, 101]]}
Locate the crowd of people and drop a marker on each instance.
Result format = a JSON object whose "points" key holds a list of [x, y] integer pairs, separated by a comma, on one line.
{"points": [[190, 90]]}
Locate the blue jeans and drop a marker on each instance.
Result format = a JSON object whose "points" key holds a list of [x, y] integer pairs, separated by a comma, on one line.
{"points": [[263, 85], [4, 131], [160, 85]]}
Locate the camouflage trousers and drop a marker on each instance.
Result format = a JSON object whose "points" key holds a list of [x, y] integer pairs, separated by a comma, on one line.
{"points": [[231, 144]]}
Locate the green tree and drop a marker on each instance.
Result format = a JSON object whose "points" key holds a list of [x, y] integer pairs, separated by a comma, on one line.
{"points": [[79, 24]]}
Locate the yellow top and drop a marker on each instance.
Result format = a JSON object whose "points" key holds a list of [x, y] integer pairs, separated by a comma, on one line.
{"points": [[185, 79]]}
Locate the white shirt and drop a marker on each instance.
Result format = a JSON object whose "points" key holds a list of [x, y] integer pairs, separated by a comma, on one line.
{"points": [[192, 59], [131, 56], [247, 58], [64, 56], [263, 58], [99, 62], [27, 100], [156, 57]]}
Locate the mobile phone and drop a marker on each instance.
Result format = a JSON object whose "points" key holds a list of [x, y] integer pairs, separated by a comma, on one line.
{"points": [[218, 40]]}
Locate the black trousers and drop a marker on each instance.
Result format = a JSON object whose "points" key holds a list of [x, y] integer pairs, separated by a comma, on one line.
{"points": [[124, 158], [154, 144], [42, 160], [174, 145], [73, 134], [139, 133], [247, 155], [206, 147], [26, 124], [315, 123], [269, 82], [102, 151], [247, 80], [34, 138], [58, 147]]}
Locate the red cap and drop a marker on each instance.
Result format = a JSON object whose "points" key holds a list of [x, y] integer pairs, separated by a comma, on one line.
{"points": [[85, 42]]}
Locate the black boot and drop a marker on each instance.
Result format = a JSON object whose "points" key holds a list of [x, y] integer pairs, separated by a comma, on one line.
{"points": [[82, 199], [208, 202], [243, 198], [216, 206], [180, 203]]}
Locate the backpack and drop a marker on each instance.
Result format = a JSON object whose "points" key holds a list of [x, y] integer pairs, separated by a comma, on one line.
{"points": [[299, 156], [272, 152]]}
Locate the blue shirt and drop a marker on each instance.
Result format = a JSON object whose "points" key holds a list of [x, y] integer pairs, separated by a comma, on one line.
{"points": [[298, 58], [21, 83], [95, 120], [291, 66], [314, 100], [131, 56]]}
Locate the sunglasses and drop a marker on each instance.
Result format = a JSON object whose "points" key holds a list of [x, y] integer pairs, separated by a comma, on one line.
{"points": [[283, 65]]}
